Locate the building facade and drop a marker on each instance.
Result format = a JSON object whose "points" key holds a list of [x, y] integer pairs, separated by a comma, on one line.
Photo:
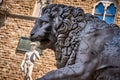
{"points": [[107, 10], [17, 19]]}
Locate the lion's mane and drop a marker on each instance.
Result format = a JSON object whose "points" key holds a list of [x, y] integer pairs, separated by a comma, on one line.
{"points": [[69, 29], [86, 48]]}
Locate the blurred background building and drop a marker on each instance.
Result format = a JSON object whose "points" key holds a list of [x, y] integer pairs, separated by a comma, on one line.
{"points": [[17, 19]]}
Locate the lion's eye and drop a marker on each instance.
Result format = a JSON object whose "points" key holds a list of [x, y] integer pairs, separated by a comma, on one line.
{"points": [[40, 22], [44, 23]]}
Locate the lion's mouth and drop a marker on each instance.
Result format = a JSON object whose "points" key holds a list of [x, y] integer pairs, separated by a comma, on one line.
{"points": [[44, 41]]}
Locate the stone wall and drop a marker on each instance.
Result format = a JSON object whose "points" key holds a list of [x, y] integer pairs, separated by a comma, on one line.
{"points": [[24, 7], [118, 15], [87, 5], [10, 60], [10, 34]]}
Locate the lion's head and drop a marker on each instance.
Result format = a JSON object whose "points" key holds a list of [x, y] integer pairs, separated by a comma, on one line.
{"points": [[61, 28], [55, 24], [58, 28], [43, 32]]}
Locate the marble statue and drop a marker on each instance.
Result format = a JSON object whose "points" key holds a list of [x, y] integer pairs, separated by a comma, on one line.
{"points": [[86, 48], [28, 61]]}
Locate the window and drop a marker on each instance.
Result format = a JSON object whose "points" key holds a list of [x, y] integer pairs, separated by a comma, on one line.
{"points": [[110, 14], [38, 7], [99, 10], [105, 10]]}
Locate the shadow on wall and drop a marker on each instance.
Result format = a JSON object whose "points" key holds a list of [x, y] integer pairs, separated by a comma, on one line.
{"points": [[2, 19], [2, 14]]}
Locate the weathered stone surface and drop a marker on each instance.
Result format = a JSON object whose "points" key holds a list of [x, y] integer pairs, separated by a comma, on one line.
{"points": [[86, 48]]}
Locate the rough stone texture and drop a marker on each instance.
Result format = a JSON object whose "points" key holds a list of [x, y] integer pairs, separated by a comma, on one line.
{"points": [[86, 48], [14, 28], [24, 7], [87, 5], [10, 33], [10, 60]]}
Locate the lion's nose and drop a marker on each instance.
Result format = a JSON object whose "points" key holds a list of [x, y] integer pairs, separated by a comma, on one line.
{"points": [[34, 37]]}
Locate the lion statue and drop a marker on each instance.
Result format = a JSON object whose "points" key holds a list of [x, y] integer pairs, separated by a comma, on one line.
{"points": [[86, 48]]}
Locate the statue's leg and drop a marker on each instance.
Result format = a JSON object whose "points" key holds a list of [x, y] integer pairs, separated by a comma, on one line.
{"points": [[30, 69], [25, 71]]}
